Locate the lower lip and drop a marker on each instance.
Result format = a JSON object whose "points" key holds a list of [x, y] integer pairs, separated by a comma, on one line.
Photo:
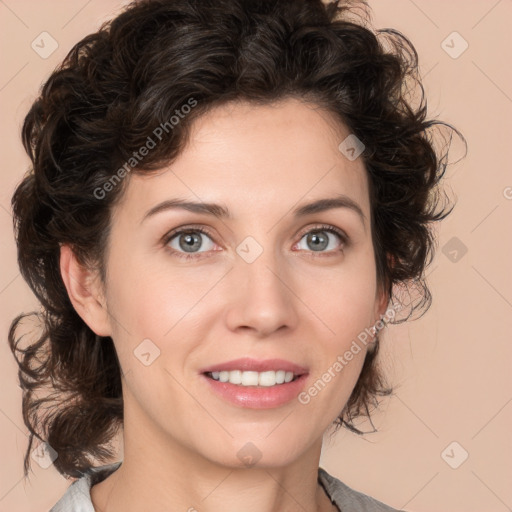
{"points": [[258, 397]]}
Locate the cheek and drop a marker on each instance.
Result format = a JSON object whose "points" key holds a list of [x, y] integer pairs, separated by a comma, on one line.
{"points": [[147, 299], [150, 303], [345, 305], [344, 301]]}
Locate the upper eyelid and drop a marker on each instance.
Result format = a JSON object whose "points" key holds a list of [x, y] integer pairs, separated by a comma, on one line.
{"points": [[179, 231]]}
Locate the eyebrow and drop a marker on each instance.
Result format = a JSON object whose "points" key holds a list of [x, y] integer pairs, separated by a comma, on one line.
{"points": [[222, 212]]}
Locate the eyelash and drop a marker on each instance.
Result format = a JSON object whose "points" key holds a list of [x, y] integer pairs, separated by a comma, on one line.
{"points": [[199, 229]]}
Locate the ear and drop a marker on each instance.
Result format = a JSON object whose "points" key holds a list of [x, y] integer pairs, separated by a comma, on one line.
{"points": [[85, 292], [381, 303], [382, 296]]}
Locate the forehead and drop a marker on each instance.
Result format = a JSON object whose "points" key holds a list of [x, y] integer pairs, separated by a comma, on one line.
{"points": [[257, 159]]}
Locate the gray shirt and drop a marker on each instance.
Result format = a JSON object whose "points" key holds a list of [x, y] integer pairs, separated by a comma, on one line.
{"points": [[77, 497]]}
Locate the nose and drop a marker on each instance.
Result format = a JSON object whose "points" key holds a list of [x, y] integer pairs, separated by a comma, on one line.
{"points": [[261, 298]]}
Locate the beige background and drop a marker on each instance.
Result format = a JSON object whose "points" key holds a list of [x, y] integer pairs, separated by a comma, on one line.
{"points": [[451, 368]]}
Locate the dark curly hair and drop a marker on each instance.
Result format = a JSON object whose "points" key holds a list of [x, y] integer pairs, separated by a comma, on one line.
{"points": [[137, 71]]}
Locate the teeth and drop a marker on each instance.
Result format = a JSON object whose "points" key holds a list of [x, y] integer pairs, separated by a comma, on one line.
{"points": [[264, 379], [249, 378]]}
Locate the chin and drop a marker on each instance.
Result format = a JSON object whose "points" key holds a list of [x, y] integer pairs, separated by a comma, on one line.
{"points": [[260, 450]]}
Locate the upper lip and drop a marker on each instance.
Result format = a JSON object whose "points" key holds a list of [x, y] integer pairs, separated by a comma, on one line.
{"points": [[256, 365]]}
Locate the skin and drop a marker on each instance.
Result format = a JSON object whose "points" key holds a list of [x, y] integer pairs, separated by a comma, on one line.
{"points": [[180, 439]]}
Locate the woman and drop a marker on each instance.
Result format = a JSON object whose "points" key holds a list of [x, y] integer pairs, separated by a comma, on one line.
{"points": [[225, 198]]}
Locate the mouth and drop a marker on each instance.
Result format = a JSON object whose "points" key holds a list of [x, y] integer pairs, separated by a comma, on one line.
{"points": [[256, 384], [254, 379]]}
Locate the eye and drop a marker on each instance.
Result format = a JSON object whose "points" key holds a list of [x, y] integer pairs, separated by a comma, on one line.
{"points": [[185, 243], [320, 239]]}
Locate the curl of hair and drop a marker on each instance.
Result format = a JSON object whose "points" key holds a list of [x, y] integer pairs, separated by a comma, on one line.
{"points": [[110, 93]]}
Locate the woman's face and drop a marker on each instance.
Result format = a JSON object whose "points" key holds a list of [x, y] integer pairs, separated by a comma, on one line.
{"points": [[265, 283]]}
